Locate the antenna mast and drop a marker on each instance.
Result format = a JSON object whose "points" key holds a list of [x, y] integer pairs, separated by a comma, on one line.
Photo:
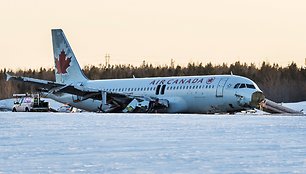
{"points": [[107, 60]]}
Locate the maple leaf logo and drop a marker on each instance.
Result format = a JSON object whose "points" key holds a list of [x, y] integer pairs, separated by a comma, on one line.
{"points": [[210, 80], [62, 63]]}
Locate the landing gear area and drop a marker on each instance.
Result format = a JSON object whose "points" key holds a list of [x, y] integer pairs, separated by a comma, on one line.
{"points": [[145, 106], [135, 105]]}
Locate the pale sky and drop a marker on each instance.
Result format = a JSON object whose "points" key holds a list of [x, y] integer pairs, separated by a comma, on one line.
{"points": [[154, 30]]}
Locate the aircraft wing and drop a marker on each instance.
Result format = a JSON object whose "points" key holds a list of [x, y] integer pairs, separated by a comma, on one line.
{"points": [[112, 101], [54, 87], [42, 83]]}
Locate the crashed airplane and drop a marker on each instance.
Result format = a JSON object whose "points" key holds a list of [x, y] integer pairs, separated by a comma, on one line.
{"points": [[184, 94]]}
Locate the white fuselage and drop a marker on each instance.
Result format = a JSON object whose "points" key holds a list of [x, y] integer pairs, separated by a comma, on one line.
{"points": [[186, 94]]}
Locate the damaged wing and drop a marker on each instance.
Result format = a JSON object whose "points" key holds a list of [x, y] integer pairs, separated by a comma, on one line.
{"points": [[54, 87], [38, 82]]}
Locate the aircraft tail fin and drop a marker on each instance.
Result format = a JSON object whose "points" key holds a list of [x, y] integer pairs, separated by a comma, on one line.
{"points": [[67, 68]]}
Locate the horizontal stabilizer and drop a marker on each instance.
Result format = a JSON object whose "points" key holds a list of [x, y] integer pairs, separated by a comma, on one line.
{"points": [[8, 76], [39, 82]]}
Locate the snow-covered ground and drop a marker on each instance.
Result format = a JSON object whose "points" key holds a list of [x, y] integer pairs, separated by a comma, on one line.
{"points": [[298, 106], [6, 104], [151, 143]]}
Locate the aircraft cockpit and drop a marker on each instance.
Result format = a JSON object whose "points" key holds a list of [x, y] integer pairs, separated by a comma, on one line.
{"points": [[243, 85]]}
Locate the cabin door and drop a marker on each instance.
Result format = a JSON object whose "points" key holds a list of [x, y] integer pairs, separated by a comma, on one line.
{"points": [[220, 87]]}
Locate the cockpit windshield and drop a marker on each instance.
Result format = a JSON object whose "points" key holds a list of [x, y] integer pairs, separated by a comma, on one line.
{"points": [[250, 86], [237, 85], [243, 85]]}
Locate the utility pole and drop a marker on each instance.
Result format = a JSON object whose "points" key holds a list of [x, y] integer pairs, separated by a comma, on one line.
{"points": [[107, 60], [172, 63]]}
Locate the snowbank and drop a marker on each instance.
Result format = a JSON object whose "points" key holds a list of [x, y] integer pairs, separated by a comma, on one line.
{"points": [[299, 106]]}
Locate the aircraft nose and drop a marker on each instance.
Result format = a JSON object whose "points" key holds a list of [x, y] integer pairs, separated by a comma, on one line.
{"points": [[257, 97]]}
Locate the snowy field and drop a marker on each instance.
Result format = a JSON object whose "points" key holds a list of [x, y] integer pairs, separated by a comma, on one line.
{"points": [[151, 143]]}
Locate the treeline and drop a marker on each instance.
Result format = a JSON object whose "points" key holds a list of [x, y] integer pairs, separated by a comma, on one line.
{"points": [[280, 84]]}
